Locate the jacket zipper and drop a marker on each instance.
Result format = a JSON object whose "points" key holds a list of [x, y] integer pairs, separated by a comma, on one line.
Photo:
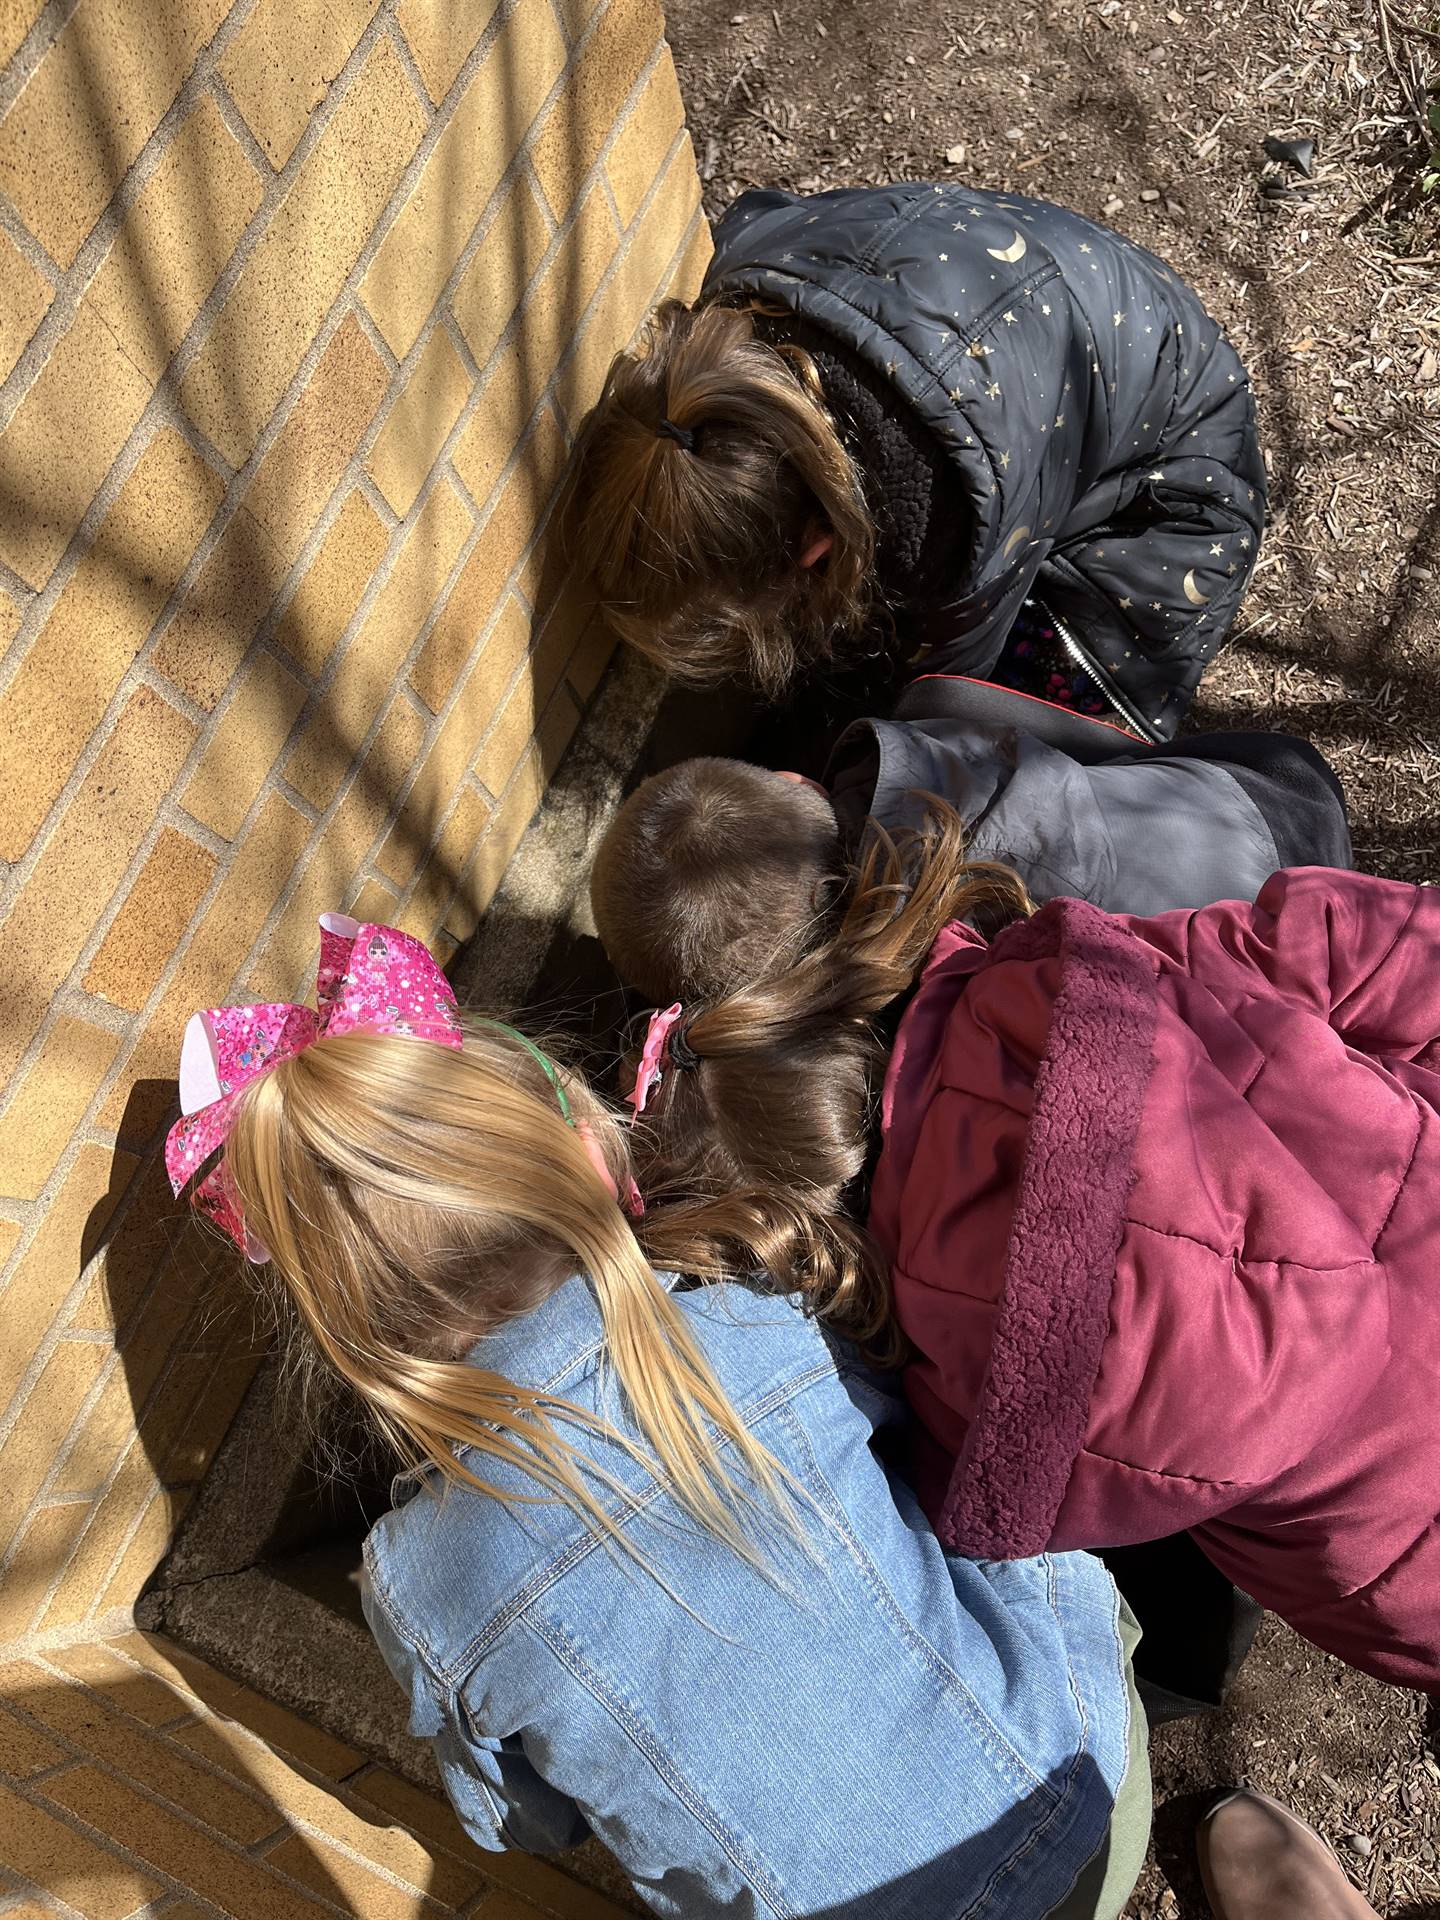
{"points": [[1106, 688]]}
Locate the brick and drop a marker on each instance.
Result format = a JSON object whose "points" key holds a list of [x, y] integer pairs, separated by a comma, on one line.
{"points": [[68, 143], [645, 140], [206, 1419], [524, 502], [44, 1425], [108, 606], [176, 240], [280, 65], [111, 1520], [442, 37], [16, 19], [293, 277], [246, 744], [10, 618], [511, 734], [172, 1846], [506, 830], [330, 872], [454, 746], [548, 325], [257, 875], [577, 127], [452, 639], [9, 1237], [84, 861], [276, 1726], [47, 1543], [558, 630], [374, 905], [322, 605], [645, 273], [419, 423], [57, 1255], [25, 297], [23, 1752], [62, 442], [108, 1429], [336, 1876], [148, 930], [50, 1102], [206, 641], [367, 671], [395, 1849], [149, 1545], [90, 1718], [590, 659], [454, 849], [141, 1693], [99, 1884], [494, 283], [417, 256]]}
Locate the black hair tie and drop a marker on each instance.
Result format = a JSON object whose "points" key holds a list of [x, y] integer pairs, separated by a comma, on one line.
{"points": [[682, 436], [682, 1055]]}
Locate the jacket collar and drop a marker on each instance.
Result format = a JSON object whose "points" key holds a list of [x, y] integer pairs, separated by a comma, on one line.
{"points": [[1070, 1214], [560, 1339]]}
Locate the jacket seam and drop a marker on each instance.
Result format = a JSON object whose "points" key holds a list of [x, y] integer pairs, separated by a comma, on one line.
{"points": [[586, 1543], [1159, 1473], [988, 1733], [639, 1736], [930, 374], [1400, 1186]]}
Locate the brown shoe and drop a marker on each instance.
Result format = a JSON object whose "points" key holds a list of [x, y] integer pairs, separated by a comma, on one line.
{"points": [[1261, 1862]]}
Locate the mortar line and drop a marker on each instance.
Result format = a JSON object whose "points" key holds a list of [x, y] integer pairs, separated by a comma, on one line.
{"points": [[45, 29], [239, 127], [108, 1843], [408, 62], [275, 187], [74, 279], [543, 400], [613, 267]]}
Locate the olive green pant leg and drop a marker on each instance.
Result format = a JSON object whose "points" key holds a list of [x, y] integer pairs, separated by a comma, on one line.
{"points": [[1108, 1879]]}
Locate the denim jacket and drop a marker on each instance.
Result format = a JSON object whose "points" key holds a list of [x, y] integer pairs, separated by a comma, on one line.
{"points": [[870, 1728]]}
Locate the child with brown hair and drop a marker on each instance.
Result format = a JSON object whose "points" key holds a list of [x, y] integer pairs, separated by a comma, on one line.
{"points": [[1152, 1193], [713, 870], [911, 408]]}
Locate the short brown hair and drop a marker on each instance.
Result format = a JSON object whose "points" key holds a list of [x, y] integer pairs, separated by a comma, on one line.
{"points": [[697, 478], [711, 874]]}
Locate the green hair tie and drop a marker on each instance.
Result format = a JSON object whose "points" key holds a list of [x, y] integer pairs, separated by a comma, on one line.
{"points": [[547, 1065]]}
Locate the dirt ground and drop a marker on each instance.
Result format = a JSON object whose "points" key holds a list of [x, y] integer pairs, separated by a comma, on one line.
{"points": [[1153, 117]]}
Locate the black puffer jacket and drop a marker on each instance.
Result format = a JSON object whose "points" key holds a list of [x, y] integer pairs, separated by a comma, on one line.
{"points": [[1102, 428]]}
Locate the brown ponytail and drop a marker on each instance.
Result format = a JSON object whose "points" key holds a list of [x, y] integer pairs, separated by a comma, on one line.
{"points": [[748, 1151], [697, 480]]}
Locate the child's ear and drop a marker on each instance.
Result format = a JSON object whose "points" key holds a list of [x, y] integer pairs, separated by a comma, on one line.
{"points": [[818, 542]]}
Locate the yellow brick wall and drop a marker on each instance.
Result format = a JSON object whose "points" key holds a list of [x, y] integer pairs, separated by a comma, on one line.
{"points": [[300, 304], [135, 1780]]}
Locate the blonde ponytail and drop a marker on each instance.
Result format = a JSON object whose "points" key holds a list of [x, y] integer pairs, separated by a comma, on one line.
{"points": [[412, 1197]]}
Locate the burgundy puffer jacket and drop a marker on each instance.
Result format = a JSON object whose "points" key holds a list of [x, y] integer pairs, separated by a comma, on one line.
{"points": [[1162, 1199]]}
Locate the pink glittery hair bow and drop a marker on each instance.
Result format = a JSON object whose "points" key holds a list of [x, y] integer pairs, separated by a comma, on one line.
{"points": [[372, 978], [650, 1069]]}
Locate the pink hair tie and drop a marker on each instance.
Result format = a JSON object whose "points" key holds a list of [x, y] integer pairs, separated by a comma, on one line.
{"points": [[649, 1071], [370, 978]]}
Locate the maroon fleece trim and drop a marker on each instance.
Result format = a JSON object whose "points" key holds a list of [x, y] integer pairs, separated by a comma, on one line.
{"points": [[1010, 1478]]}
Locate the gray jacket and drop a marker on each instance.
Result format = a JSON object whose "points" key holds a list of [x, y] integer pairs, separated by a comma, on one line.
{"points": [[1081, 809]]}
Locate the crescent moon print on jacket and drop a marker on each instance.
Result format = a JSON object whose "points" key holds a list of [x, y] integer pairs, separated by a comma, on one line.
{"points": [[1099, 426]]}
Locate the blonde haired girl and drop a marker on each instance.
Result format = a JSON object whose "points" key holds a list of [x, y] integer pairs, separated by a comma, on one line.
{"points": [[670, 1595]]}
